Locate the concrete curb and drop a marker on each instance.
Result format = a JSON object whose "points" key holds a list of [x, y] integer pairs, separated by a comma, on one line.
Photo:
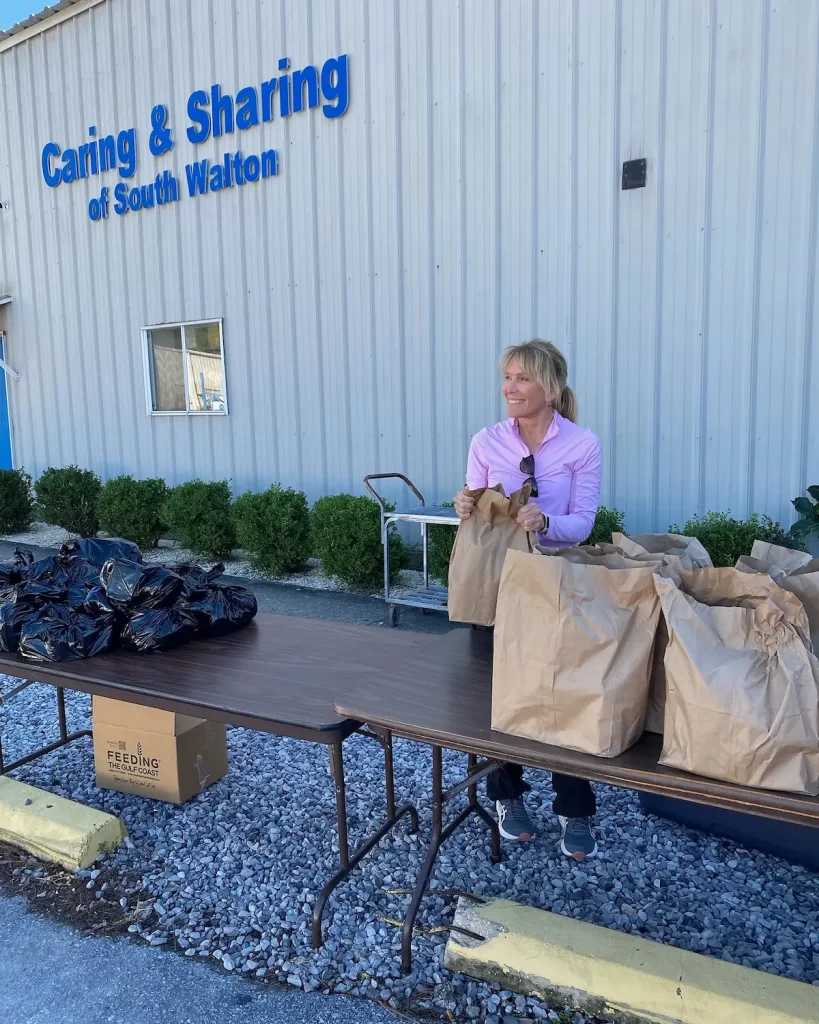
{"points": [[612, 974], [54, 828]]}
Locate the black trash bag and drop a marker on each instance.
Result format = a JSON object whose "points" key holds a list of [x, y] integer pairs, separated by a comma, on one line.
{"points": [[96, 602], [75, 596], [18, 603], [58, 633], [43, 568], [62, 570], [221, 609], [98, 551], [33, 593], [158, 629], [131, 587], [75, 569], [12, 572], [197, 578], [13, 616]]}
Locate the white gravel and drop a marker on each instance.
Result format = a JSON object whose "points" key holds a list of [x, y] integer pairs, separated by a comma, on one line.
{"points": [[41, 535], [233, 873]]}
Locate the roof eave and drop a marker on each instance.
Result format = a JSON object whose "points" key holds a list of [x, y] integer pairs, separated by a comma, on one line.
{"points": [[44, 20]]}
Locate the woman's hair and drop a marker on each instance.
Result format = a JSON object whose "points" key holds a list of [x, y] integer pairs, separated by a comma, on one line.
{"points": [[547, 364]]}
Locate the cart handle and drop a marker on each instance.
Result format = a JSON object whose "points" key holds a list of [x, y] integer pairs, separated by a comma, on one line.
{"points": [[390, 476]]}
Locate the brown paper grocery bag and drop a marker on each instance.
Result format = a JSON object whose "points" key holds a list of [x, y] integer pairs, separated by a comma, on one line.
{"points": [[801, 580], [687, 551], [743, 687], [684, 553], [573, 642], [479, 550], [783, 558]]}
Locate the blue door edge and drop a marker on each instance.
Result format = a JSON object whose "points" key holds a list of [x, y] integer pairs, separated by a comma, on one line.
{"points": [[6, 456]]}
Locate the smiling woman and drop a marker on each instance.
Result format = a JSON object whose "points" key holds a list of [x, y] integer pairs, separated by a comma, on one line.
{"points": [[541, 444]]}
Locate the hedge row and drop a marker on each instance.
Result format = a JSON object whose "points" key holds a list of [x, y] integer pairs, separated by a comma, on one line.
{"points": [[278, 529]]}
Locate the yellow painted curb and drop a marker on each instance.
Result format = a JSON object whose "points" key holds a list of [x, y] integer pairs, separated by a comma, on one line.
{"points": [[610, 973], [54, 828]]}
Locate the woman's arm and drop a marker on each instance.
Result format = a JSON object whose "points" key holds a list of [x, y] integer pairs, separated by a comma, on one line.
{"points": [[477, 470], [477, 476], [575, 527]]}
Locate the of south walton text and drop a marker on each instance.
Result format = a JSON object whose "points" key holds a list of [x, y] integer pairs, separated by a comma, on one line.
{"points": [[211, 114]]}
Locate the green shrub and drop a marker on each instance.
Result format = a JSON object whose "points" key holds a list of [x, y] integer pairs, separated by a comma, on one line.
{"points": [[132, 509], [606, 522], [441, 539], [201, 517], [68, 498], [808, 526], [726, 539], [16, 501], [347, 540], [274, 529]]}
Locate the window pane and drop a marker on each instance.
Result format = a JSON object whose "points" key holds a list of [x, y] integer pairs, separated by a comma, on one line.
{"points": [[206, 385], [167, 369]]}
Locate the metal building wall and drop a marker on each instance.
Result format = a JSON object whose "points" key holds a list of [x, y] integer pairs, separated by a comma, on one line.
{"points": [[469, 198]]}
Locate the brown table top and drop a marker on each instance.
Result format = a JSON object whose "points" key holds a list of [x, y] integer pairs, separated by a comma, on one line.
{"points": [[449, 705], [281, 674]]}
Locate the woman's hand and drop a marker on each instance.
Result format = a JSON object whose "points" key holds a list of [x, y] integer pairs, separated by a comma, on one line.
{"points": [[464, 505], [532, 519]]}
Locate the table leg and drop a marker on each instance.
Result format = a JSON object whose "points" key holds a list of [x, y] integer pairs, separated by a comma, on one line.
{"points": [[348, 862], [337, 768], [440, 835], [483, 814], [65, 736], [61, 714], [389, 779]]}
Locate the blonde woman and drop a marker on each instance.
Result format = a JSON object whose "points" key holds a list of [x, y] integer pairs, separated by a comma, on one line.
{"points": [[540, 443]]}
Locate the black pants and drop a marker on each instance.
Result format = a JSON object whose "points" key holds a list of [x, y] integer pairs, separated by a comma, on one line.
{"points": [[574, 798]]}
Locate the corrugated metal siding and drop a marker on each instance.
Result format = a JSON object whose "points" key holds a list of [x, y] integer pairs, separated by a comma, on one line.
{"points": [[469, 198]]}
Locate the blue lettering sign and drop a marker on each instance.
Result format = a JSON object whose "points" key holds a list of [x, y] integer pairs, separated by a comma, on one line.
{"points": [[211, 113]]}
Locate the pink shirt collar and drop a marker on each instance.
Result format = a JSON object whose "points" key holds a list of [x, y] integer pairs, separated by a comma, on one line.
{"points": [[553, 431]]}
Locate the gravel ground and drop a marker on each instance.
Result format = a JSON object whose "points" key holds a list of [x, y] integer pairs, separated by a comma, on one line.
{"points": [[41, 536], [233, 873]]}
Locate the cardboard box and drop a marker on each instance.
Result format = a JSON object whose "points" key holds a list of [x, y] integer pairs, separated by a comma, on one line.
{"points": [[139, 717], [157, 754]]}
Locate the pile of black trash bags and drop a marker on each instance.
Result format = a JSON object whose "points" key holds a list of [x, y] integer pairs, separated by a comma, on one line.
{"points": [[96, 594]]}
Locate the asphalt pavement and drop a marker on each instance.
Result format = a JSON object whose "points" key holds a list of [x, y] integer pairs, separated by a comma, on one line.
{"points": [[51, 974]]}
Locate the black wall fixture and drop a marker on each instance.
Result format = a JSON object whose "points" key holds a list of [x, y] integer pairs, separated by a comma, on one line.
{"points": [[634, 173]]}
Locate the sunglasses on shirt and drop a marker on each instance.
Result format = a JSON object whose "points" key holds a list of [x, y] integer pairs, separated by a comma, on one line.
{"points": [[527, 465]]}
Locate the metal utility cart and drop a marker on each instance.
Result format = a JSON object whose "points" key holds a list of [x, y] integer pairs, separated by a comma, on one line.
{"points": [[428, 598]]}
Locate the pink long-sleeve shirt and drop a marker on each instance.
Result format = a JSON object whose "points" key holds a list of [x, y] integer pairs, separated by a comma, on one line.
{"points": [[567, 470]]}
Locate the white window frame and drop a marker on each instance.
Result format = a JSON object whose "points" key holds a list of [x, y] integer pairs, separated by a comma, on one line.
{"points": [[146, 362]]}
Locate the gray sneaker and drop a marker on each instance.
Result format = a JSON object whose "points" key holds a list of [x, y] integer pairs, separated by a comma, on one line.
{"points": [[513, 819], [578, 839]]}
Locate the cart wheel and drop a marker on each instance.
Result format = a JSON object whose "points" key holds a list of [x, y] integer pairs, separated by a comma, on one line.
{"points": [[392, 615]]}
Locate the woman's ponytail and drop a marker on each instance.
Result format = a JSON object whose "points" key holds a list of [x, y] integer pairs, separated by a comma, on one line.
{"points": [[566, 404]]}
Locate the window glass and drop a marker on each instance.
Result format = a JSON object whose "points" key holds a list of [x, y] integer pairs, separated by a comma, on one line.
{"points": [[186, 369], [167, 369], [206, 386]]}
